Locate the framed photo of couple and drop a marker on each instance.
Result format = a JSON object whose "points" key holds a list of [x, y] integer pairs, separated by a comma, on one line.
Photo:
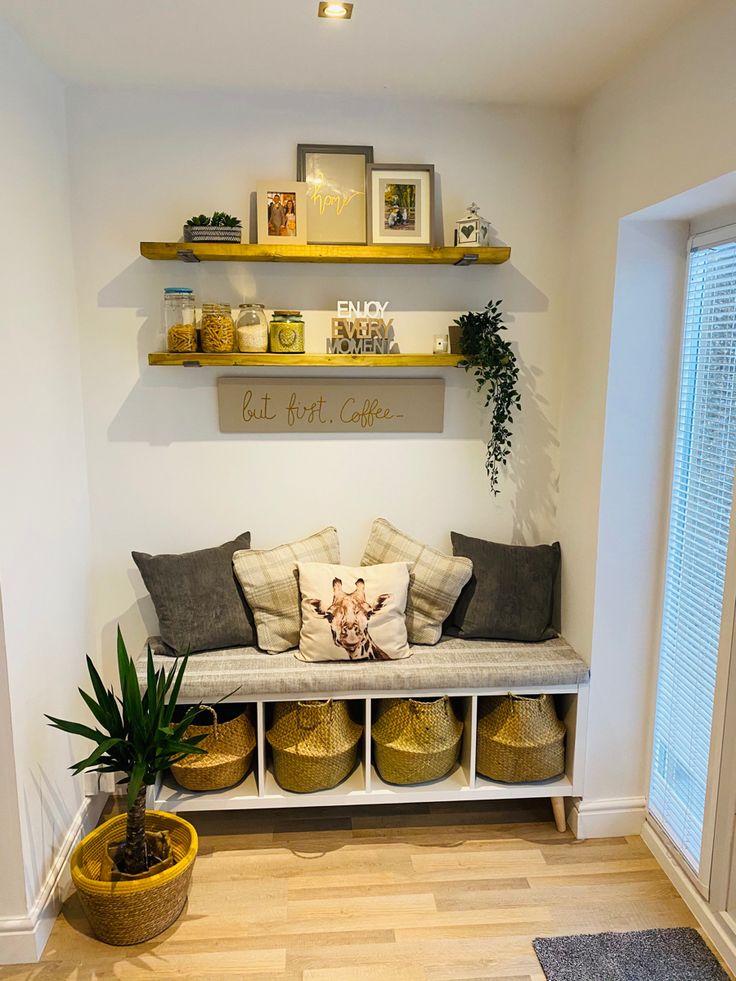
{"points": [[282, 212]]}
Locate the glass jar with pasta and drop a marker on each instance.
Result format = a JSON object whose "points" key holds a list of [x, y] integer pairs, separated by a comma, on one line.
{"points": [[217, 330], [180, 322]]}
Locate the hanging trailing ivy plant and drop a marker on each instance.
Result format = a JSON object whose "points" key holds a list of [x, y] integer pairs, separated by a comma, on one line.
{"points": [[490, 358]]}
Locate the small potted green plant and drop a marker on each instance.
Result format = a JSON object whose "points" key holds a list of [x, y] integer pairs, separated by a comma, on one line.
{"points": [[493, 363], [132, 873], [221, 227]]}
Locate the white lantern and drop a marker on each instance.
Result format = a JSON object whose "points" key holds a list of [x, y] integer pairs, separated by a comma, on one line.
{"points": [[473, 230]]}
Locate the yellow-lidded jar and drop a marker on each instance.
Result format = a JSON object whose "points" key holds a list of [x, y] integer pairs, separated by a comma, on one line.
{"points": [[286, 332], [217, 330]]}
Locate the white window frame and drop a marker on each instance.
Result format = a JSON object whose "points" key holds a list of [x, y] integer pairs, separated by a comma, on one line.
{"points": [[708, 871]]}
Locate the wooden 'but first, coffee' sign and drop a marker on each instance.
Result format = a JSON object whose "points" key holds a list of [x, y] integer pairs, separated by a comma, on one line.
{"points": [[331, 405]]}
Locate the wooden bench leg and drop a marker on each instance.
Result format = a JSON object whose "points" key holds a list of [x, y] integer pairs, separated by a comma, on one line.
{"points": [[558, 809]]}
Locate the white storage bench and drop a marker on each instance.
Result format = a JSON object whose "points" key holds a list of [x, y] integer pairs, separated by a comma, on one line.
{"points": [[463, 669]]}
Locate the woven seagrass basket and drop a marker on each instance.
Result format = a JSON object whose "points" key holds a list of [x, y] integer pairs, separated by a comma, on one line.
{"points": [[133, 910], [415, 740], [520, 738], [230, 746], [315, 744]]}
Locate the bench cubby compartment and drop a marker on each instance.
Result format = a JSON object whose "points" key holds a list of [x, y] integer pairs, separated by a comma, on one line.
{"points": [[519, 738], [429, 754], [333, 752], [235, 748]]}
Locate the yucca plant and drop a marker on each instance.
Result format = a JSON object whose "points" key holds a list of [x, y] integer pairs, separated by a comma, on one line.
{"points": [[137, 736]]}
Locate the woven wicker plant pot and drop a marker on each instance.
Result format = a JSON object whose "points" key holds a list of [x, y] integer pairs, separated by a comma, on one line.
{"points": [[520, 738], [210, 233], [315, 744], [230, 745], [415, 740], [133, 910]]}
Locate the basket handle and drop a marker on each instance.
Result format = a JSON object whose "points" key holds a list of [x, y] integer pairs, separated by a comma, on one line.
{"points": [[308, 713], [538, 700], [417, 706], [208, 708]]}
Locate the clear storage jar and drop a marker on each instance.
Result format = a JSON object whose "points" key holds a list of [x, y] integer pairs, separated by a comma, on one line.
{"points": [[252, 328], [217, 330], [179, 320]]}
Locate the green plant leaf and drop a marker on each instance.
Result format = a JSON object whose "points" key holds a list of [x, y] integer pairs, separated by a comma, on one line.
{"points": [[100, 713], [95, 755], [176, 677], [76, 729]]}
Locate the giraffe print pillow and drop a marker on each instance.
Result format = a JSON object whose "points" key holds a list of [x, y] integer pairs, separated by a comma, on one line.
{"points": [[353, 614]]}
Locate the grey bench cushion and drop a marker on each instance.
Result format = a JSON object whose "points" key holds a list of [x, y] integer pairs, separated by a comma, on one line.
{"points": [[451, 665]]}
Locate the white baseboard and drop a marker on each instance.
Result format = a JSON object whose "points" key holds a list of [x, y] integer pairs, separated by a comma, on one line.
{"points": [[23, 938], [713, 925], [610, 818]]}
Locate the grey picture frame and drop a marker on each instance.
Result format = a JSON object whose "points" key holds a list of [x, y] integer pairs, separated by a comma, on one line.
{"points": [[303, 151], [377, 168]]}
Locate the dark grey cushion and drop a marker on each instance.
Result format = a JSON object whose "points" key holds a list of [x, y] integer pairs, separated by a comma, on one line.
{"points": [[510, 595], [198, 600]]}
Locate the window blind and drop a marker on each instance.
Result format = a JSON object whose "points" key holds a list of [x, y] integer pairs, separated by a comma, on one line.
{"points": [[700, 512]]}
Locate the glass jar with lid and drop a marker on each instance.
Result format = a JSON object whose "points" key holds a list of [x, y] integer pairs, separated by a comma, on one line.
{"points": [[286, 332], [179, 320], [217, 331], [252, 328]]}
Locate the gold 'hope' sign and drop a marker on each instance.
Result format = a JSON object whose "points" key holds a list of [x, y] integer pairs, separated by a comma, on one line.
{"points": [[331, 405]]}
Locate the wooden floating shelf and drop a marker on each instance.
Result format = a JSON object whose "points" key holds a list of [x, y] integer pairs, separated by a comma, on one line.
{"points": [[386, 254], [306, 360]]}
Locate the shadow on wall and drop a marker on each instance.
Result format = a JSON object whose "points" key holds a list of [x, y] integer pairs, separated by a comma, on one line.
{"points": [[129, 622], [45, 799], [307, 286], [531, 468]]}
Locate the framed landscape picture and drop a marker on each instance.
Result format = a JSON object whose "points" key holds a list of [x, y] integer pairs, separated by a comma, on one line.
{"points": [[400, 204], [335, 177], [282, 212]]}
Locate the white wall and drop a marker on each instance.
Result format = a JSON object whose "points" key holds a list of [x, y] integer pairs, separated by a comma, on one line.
{"points": [[162, 478], [661, 128], [44, 522]]}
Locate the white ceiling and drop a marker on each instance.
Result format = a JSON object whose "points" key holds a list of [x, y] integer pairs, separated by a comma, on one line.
{"points": [[530, 51]]}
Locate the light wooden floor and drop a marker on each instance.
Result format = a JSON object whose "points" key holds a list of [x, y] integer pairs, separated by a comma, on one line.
{"points": [[403, 893]]}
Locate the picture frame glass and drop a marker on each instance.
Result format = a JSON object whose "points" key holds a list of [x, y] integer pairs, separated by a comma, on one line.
{"points": [[282, 212], [283, 219], [401, 210], [336, 194]]}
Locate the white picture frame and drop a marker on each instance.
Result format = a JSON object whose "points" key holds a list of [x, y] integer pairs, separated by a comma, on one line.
{"points": [[400, 203]]}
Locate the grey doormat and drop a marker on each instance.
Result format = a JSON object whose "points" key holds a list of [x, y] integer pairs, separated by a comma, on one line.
{"points": [[645, 955]]}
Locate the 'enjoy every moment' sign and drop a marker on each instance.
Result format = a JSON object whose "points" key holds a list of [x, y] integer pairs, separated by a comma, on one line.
{"points": [[331, 405]]}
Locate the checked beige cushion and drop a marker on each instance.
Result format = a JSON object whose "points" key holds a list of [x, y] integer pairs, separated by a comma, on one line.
{"points": [[270, 582], [435, 579]]}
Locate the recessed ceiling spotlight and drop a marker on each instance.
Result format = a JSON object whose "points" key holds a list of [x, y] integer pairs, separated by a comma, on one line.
{"points": [[336, 11]]}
